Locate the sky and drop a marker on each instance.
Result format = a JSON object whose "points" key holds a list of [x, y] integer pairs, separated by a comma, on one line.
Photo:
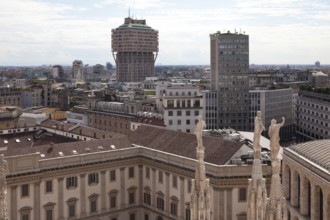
{"points": [[49, 32]]}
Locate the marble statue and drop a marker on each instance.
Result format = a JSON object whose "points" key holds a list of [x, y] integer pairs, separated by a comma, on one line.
{"points": [[199, 131], [273, 132], [200, 197], [258, 129]]}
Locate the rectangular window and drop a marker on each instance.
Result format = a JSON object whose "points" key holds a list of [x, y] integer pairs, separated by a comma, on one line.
{"points": [[93, 178], [25, 190], [188, 122], [174, 208], [146, 217], [25, 217], [160, 203], [242, 194], [179, 113], [196, 113], [72, 210], [132, 216], [112, 175], [49, 186], [189, 186], [49, 214], [93, 206], [175, 181], [188, 214], [179, 122], [170, 122], [131, 172], [113, 201], [147, 198], [148, 172], [131, 197], [160, 176], [71, 182], [187, 113], [170, 113]]}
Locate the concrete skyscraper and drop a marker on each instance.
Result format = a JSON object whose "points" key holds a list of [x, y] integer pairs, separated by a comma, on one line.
{"points": [[229, 74], [135, 49]]}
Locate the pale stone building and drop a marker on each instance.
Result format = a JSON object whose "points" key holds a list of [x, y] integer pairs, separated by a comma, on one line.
{"points": [[145, 176], [306, 180]]}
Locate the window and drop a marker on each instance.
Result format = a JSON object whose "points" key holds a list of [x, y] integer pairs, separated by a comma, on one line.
{"points": [[72, 210], [147, 196], [131, 172], [112, 175], [196, 113], [93, 205], [49, 214], [160, 176], [148, 172], [93, 178], [25, 190], [188, 214], [188, 122], [174, 206], [179, 113], [25, 213], [146, 217], [189, 186], [71, 182], [72, 202], [131, 195], [175, 181], [49, 186], [179, 122], [187, 113], [160, 201], [132, 216], [49, 210], [170, 113], [242, 194], [113, 198], [170, 122]]}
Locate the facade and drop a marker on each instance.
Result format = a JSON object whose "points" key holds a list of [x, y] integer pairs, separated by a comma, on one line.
{"points": [[78, 70], [306, 180], [313, 115], [139, 177], [274, 104], [10, 96], [182, 104], [58, 71], [9, 116], [229, 77], [135, 49], [210, 108]]}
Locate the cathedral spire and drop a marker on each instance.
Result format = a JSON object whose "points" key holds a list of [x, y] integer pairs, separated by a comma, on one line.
{"points": [[257, 193], [276, 208], [3, 189], [200, 198]]}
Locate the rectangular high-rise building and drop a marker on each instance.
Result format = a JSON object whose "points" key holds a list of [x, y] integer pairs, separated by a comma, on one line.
{"points": [[229, 77], [135, 49]]}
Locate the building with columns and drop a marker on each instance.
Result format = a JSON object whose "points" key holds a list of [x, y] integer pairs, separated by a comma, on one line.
{"points": [[306, 180], [147, 175]]}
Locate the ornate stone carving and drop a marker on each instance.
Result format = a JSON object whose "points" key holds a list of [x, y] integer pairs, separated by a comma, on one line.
{"points": [[257, 193], [200, 197], [276, 207], [3, 189], [258, 129]]}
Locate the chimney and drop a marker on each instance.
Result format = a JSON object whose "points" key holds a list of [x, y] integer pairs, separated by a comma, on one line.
{"points": [[51, 147]]}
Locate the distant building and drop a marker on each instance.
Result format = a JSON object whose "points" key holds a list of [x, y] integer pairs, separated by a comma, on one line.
{"points": [[182, 104], [135, 49], [10, 96], [108, 66], [57, 71], [274, 104], [98, 69], [313, 115], [229, 77], [78, 70], [317, 64]]}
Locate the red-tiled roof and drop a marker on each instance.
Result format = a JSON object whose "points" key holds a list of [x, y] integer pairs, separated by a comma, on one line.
{"points": [[217, 150]]}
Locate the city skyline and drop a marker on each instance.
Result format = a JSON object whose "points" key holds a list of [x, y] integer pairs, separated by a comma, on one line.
{"points": [[58, 32]]}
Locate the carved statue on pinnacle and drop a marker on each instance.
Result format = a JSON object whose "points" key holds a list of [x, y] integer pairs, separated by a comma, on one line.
{"points": [[273, 132], [258, 129], [199, 131]]}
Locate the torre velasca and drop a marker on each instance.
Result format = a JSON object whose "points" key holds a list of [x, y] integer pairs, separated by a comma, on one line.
{"points": [[229, 73], [135, 49]]}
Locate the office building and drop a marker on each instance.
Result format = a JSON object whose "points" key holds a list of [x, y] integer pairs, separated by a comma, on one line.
{"points": [[78, 70], [229, 77], [135, 49]]}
